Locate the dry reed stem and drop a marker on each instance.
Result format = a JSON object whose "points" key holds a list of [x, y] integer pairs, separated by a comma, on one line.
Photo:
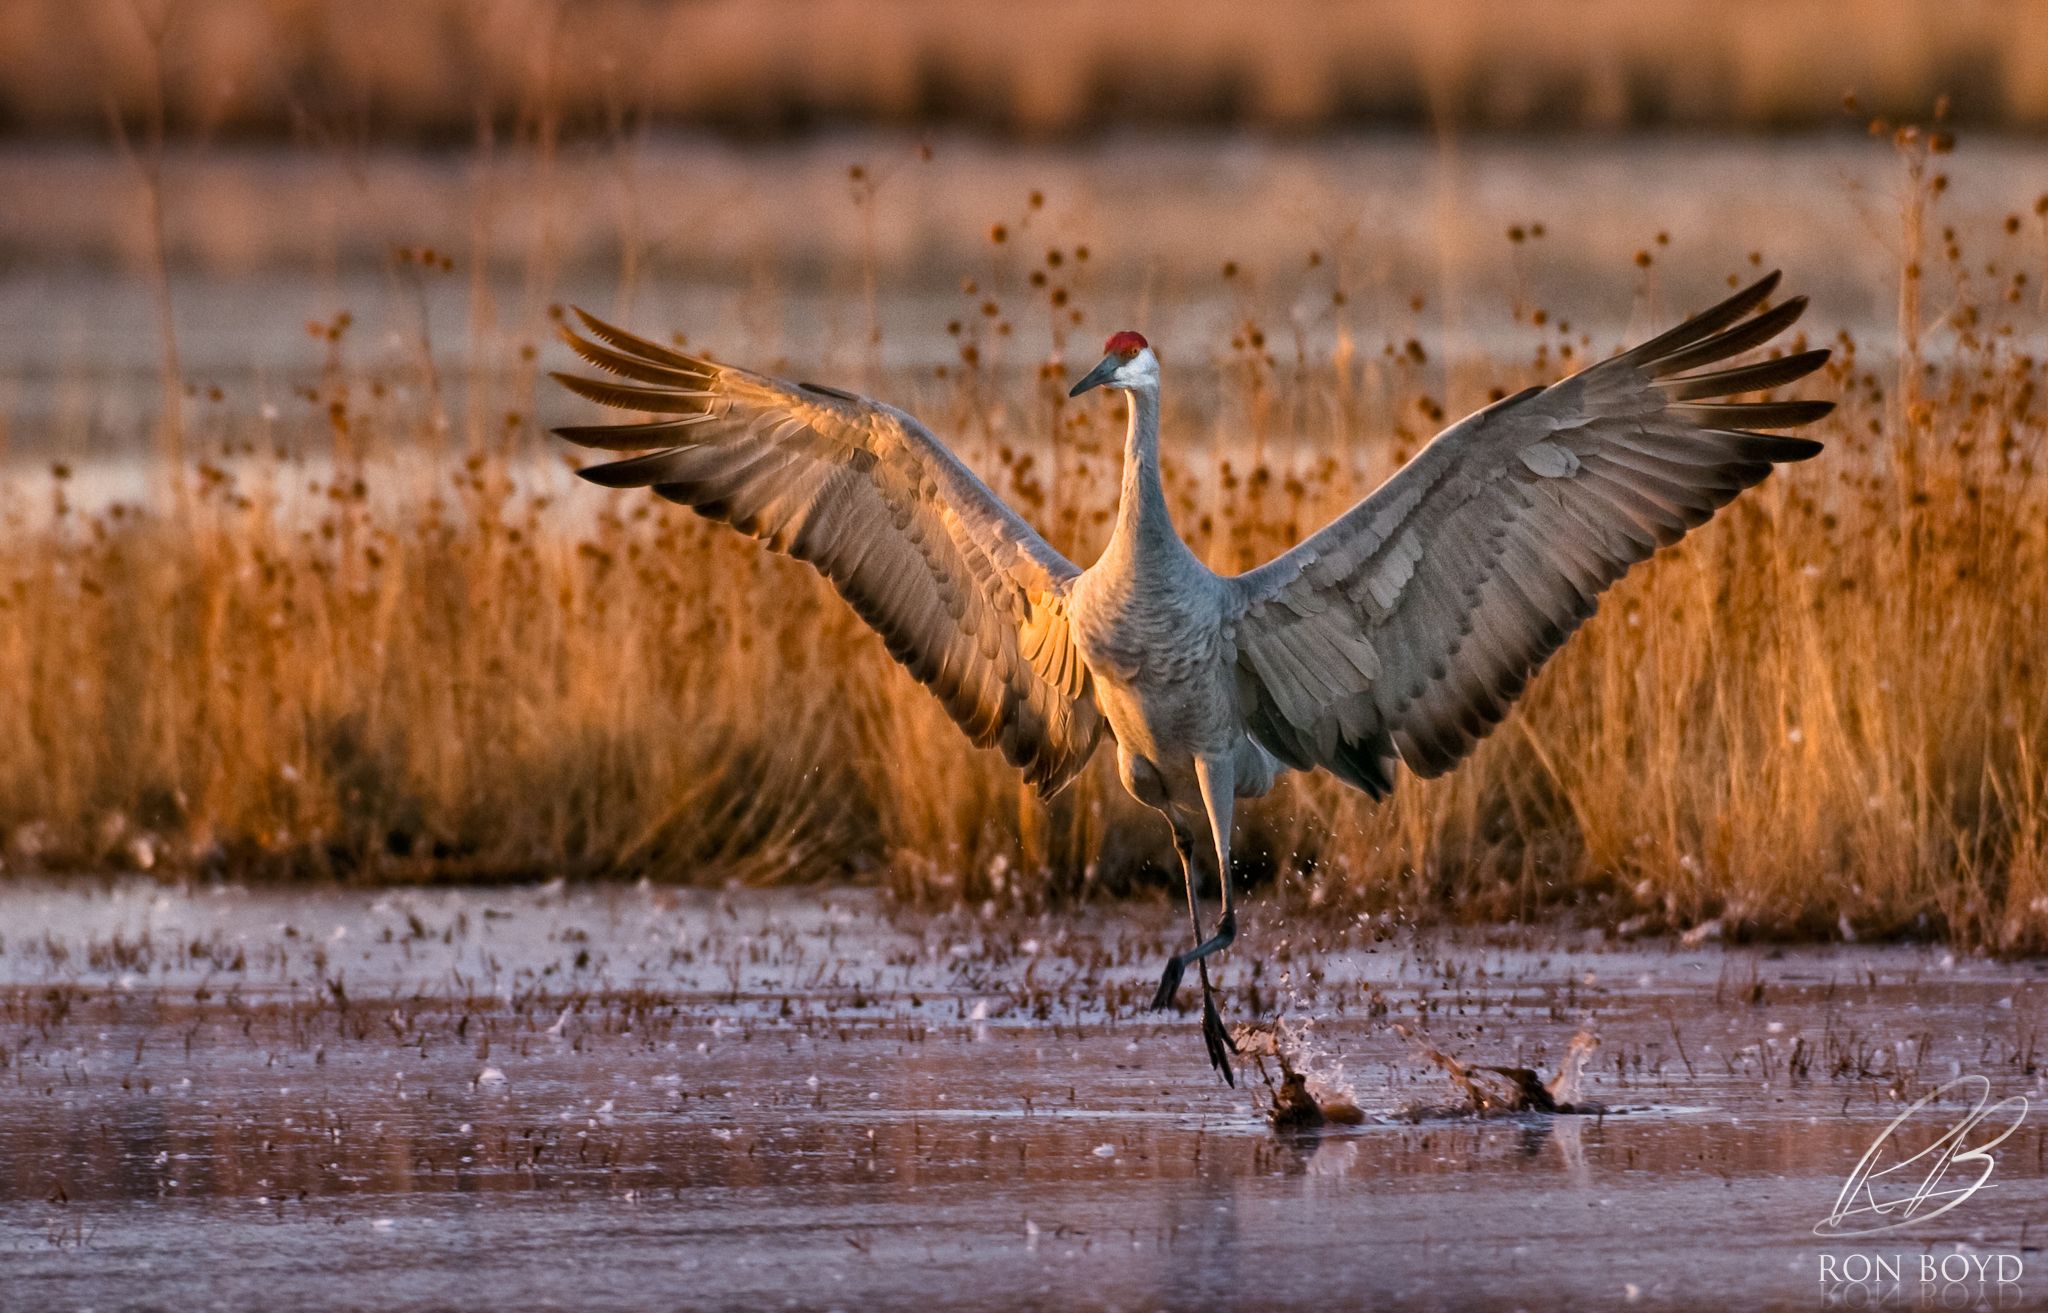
{"points": [[1820, 714]]}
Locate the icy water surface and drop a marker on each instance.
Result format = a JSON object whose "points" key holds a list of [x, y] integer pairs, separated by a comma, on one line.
{"points": [[636, 1098]]}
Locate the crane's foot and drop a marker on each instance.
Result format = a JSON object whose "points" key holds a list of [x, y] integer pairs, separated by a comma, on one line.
{"points": [[1169, 984], [1221, 1046]]}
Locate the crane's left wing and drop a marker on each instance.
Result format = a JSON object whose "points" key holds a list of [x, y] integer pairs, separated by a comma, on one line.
{"points": [[1408, 625], [967, 596]]}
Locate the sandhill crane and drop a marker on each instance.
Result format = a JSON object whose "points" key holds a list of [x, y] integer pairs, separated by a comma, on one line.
{"points": [[1401, 631]]}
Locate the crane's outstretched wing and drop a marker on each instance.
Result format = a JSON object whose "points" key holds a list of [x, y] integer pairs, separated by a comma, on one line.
{"points": [[1408, 625], [967, 595]]}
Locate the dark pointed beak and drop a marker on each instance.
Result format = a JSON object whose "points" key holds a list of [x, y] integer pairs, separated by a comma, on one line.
{"points": [[1096, 376]]}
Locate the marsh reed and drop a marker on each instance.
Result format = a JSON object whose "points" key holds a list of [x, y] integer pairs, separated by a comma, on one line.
{"points": [[384, 637]]}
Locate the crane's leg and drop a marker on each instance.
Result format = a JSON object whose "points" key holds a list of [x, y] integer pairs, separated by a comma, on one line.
{"points": [[1213, 1034], [1217, 779]]}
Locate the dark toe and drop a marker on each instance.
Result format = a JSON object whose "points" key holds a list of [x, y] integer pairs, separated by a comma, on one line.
{"points": [[1219, 1058], [1219, 1042], [1169, 984]]}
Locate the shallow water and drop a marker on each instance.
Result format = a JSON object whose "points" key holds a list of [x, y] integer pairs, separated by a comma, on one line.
{"points": [[627, 1098]]}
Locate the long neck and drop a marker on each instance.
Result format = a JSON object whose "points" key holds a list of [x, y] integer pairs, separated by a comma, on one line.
{"points": [[1143, 524]]}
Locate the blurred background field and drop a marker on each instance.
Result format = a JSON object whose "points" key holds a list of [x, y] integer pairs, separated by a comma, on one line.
{"points": [[431, 69], [293, 584]]}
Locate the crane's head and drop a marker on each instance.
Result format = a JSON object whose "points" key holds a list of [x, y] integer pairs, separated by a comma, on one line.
{"points": [[1127, 363]]}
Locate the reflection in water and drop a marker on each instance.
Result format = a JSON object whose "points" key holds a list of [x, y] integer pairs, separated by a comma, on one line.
{"points": [[1206, 1264]]}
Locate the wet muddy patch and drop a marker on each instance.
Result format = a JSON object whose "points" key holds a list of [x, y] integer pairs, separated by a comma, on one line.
{"points": [[600, 1099]]}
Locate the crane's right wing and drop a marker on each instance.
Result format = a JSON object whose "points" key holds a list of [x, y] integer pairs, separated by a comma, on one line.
{"points": [[1408, 625], [967, 596]]}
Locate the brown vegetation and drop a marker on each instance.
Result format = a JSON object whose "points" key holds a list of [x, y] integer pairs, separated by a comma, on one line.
{"points": [[1821, 715], [434, 68]]}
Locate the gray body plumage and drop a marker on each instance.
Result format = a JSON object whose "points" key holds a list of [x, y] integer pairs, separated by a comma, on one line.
{"points": [[1156, 629], [1402, 631]]}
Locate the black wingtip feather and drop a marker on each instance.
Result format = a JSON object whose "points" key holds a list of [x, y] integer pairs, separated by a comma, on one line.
{"points": [[639, 472], [1752, 332], [596, 474], [1759, 377], [614, 336], [630, 437], [1710, 321], [1751, 414]]}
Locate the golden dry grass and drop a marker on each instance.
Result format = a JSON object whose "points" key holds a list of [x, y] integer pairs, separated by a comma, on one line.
{"points": [[1821, 715]]}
